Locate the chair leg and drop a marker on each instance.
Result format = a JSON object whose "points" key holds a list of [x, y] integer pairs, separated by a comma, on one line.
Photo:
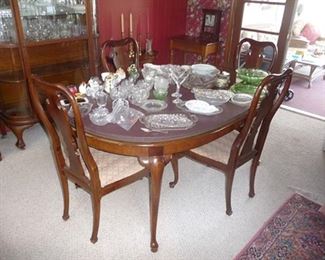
{"points": [[65, 193], [229, 181], [96, 215], [254, 165], [174, 162]]}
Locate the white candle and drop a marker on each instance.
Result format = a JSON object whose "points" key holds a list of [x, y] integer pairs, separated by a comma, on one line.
{"points": [[122, 23], [131, 23]]}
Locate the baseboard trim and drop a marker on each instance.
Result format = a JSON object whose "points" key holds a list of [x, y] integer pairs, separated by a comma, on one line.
{"points": [[299, 111]]}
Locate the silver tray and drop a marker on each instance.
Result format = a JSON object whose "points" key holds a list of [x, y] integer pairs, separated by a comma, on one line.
{"points": [[175, 121]]}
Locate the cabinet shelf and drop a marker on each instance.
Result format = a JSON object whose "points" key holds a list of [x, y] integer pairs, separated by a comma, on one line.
{"points": [[12, 77], [8, 45], [54, 41]]}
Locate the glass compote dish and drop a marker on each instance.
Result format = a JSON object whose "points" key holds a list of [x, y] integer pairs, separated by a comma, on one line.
{"points": [[179, 74]]}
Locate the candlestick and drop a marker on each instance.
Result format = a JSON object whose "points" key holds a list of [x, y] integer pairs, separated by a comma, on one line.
{"points": [[122, 24], [131, 23]]}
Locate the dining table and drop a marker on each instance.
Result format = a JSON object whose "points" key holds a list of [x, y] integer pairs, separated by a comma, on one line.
{"points": [[155, 149]]}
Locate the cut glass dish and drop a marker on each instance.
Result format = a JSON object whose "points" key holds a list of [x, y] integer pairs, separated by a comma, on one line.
{"points": [[175, 121], [213, 96], [153, 105]]}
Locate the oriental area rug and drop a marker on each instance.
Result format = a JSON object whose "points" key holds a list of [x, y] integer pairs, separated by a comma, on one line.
{"points": [[295, 231]]}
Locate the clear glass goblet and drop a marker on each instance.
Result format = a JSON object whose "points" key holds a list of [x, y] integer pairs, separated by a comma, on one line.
{"points": [[101, 98], [179, 74]]}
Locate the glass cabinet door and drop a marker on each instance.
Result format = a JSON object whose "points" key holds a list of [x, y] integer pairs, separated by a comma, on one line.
{"points": [[7, 26], [53, 19]]}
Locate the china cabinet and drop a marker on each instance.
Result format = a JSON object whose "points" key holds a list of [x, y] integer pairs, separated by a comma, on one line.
{"points": [[55, 39]]}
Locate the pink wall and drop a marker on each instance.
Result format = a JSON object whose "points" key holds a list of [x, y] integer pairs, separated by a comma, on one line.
{"points": [[165, 18], [169, 20], [109, 18]]}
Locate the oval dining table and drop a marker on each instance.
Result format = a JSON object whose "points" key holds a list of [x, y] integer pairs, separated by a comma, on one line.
{"points": [[155, 149]]}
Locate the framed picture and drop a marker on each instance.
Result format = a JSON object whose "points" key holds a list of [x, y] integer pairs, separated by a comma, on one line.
{"points": [[211, 24]]}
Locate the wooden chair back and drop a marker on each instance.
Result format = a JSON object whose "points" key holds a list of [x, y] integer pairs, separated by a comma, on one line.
{"points": [[69, 146], [266, 101], [119, 54], [255, 54]]}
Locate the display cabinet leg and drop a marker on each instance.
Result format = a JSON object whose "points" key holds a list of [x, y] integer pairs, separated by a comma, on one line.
{"points": [[19, 135], [18, 132], [3, 129]]}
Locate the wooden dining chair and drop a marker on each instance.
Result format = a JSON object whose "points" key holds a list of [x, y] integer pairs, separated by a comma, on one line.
{"points": [[254, 54], [246, 143], [119, 54], [96, 172]]}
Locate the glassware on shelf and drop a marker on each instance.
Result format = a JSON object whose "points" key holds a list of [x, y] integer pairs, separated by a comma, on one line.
{"points": [[7, 30], [52, 19]]}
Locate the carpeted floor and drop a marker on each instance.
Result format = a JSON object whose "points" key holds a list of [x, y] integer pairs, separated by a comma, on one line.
{"points": [[310, 100], [295, 231], [192, 223]]}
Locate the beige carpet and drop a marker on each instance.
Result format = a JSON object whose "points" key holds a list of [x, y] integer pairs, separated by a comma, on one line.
{"points": [[192, 223]]}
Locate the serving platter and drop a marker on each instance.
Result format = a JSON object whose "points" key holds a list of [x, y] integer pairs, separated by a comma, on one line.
{"points": [[173, 121]]}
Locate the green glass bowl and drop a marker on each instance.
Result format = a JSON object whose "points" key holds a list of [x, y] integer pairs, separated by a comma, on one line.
{"points": [[241, 87], [251, 76]]}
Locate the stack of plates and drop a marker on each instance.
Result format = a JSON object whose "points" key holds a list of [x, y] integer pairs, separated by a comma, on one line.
{"points": [[202, 76]]}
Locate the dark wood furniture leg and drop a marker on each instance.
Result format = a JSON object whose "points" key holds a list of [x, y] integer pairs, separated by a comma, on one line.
{"points": [[3, 133], [174, 163], [3, 129], [156, 165], [18, 126]]}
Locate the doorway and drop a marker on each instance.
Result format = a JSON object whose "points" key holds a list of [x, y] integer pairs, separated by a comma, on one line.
{"points": [[268, 20], [307, 46]]}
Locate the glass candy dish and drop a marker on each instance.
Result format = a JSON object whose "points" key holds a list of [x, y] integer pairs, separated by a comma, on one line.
{"points": [[99, 117]]}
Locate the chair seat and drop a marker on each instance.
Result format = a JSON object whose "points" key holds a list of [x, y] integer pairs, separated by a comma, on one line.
{"points": [[113, 167], [219, 149]]}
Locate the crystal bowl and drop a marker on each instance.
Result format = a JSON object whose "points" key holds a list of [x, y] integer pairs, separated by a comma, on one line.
{"points": [[213, 96]]}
